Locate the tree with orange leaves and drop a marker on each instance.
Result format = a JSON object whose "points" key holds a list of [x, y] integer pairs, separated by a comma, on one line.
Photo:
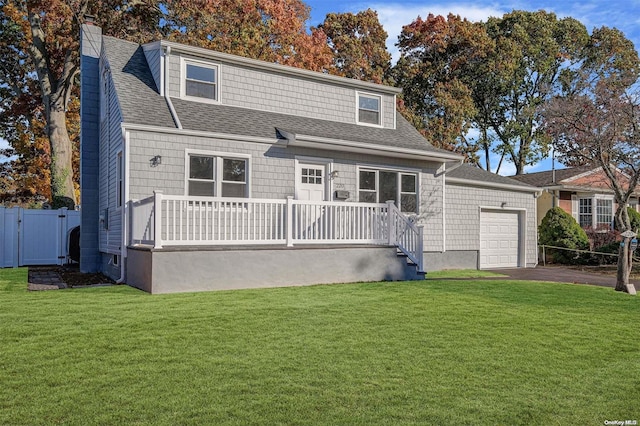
{"points": [[358, 45], [269, 30], [39, 42], [39, 46]]}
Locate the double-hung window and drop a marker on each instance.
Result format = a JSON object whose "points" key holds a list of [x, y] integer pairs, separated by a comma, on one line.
{"points": [[379, 186], [212, 175], [595, 212], [585, 213], [369, 109], [604, 212], [200, 80]]}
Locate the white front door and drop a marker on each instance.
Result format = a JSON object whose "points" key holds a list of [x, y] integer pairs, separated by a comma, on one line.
{"points": [[311, 181]]}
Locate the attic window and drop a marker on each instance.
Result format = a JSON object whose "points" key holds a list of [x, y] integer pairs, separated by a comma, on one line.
{"points": [[200, 81], [369, 109]]}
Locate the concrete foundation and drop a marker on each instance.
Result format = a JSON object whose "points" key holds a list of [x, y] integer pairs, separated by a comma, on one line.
{"points": [[452, 259], [172, 270]]}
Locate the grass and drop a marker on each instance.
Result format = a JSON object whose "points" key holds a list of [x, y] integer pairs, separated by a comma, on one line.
{"points": [[431, 352], [462, 273]]}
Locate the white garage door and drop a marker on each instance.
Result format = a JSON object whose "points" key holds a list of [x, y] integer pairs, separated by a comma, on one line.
{"points": [[499, 239]]}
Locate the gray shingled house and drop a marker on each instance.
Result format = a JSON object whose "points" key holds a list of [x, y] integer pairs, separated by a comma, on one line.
{"points": [[202, 170]]}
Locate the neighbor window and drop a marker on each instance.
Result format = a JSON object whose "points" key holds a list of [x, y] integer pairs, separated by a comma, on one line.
{"points": [[369, 109], [201, 81], [595, 212], [217, 176], [586, 212], [379, 186], [604, 212]]}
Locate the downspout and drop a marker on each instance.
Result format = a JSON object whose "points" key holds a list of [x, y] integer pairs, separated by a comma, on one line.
{"points": [[172, 110], [125, 204], [454, 165]]}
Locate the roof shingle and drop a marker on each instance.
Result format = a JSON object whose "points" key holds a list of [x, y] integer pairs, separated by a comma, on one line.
{"points": [[474, 173]]}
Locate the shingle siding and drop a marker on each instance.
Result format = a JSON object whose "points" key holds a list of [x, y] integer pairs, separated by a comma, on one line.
{"points": [[153, 54], [462, 210], [265, 90], [272, 171], [110, 144]]}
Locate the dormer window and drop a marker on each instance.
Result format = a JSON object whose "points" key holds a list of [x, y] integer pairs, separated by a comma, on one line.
{"points": [[200, 80], [369, 109]]}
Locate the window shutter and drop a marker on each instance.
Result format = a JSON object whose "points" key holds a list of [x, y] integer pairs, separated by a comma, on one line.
{"points": [[574, 206]]}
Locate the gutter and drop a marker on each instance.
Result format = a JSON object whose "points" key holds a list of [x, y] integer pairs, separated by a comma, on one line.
{"points": [[174, 114], [282, 69], [367, 148], [125, 204]]}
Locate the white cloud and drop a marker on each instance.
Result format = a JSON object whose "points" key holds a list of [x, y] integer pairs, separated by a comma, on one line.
{"points": [[393, 16]]}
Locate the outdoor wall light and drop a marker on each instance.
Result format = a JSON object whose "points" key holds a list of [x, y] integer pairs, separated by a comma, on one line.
{"points": [[156, 161], [334, 174], [504, 204]]}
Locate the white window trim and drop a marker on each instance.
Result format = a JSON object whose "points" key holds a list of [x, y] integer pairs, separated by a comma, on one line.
{"points": [[594, 208], [371, 95], [183, 78], [219, 157], [400, 171]]}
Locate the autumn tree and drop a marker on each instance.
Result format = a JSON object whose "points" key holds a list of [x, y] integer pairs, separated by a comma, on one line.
{"points": [[269, 30], [438, 55], [39, 44], [596, 120], [531, 49], [358, 44]]}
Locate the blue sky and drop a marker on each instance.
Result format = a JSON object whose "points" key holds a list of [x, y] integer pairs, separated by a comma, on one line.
{"points": [[624, 15]]}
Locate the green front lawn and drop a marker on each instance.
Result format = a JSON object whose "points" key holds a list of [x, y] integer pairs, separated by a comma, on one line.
{"points": [[461, 273], [431, 352]]}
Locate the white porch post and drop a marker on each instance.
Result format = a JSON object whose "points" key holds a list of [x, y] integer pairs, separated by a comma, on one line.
{"points": [[290, 221], [390, 222], [157, 219], [420, 250]]}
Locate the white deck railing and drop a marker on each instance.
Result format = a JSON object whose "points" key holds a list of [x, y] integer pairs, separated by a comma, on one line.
{"points": [[406, 235], [182, 220]]}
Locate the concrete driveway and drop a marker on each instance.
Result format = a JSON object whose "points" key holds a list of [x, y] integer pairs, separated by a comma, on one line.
{"points": [[561, 275]]}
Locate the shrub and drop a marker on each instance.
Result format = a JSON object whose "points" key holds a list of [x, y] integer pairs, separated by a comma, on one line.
{"points": [[612, 248], [560, 229], [634, 218], [601, 236]]}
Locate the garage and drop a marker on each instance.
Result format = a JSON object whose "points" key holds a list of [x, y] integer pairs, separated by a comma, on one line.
{"points": [[500, 239]]}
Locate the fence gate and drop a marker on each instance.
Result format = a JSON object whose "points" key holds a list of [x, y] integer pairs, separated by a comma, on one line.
{"points": [[35, 237]]}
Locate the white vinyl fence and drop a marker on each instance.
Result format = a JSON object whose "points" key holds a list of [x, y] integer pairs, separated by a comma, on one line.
{"points": [[35, 237]]}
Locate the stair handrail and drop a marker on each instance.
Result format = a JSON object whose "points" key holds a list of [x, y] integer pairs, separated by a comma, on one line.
{"points": [[405, 235]]}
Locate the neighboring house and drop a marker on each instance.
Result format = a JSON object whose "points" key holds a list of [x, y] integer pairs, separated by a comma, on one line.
{"points": [[202, 170], [583, 192]]}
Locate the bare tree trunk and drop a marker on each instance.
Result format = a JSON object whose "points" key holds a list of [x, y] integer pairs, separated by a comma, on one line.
{"points": [[62, 189], [624, 252], [624, 266]]}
